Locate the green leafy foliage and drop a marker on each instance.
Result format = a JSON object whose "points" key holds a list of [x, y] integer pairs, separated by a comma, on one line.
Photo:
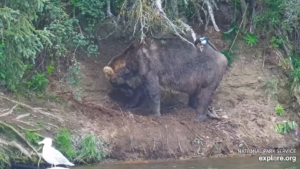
{"points": [[92, 8], [32, 27], [21, 42], [291, 15], [38, 82], [276, 42], [229, 55], [92, 49], [64, 143], [272, 15], [285, 127], [231, 32], [50, 68], [73, 77], [32, 137], [279, 110], [4, 158], [250, 39], [40, 123], [91, 150]]}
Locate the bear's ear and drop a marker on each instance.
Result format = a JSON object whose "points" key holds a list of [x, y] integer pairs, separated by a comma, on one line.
{"points": [[108, 71]]}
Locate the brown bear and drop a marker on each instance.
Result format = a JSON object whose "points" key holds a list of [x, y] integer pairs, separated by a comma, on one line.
{"points": [[172, 63]]}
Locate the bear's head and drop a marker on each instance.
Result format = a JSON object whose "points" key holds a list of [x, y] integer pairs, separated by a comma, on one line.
{"points": [[121, 68]]}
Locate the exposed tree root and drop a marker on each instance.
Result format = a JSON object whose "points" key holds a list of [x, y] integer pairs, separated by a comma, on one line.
{"points": [[18, 146], [37, 109], [51, 125], [24, 122], [19, 134], [31, 130], [22, 116], [9, 112], [212, 113]]}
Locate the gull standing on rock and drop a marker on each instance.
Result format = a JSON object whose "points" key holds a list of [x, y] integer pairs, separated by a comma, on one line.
{"points": [[51, 155]]}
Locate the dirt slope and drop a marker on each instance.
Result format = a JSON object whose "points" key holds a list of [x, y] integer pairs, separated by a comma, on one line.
{"points": [[250, 123]]}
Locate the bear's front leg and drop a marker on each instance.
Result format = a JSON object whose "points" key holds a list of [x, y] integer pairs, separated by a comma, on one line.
{"points": [[136, 98], [152, 87]]}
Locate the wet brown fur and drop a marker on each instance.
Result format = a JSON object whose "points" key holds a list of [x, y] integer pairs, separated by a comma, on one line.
{"points": [[127, 96], [175, 64]]}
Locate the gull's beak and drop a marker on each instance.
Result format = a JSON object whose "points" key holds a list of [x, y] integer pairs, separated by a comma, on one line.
{"points": [[41, 142]]}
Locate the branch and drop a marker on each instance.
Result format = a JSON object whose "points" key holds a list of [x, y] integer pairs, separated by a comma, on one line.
{"points": [[173, 26], [108, 11], [243, 7], [19, 134], [238, 29], [30, 130], [40, 110], [22, 116], [24, 122], [211, 13], [18, 146], [158, 5], [197, 12], [9, 112]]}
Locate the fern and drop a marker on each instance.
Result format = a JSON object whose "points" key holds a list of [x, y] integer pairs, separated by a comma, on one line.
{"points": [[250, 39], [285, 127], [279, 110]]}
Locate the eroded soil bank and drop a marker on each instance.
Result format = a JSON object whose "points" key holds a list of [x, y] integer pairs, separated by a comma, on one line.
{"points": [[132, 136], [241, 96]]}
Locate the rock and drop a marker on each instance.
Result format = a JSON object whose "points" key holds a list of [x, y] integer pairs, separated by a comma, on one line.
{"points": [[225, 117]]}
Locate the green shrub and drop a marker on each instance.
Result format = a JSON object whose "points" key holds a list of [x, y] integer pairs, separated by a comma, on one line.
{"points": [[279, 110], [250, 39], [285, 127], [91, 150], [32, 137], [64, 143], [4, 158], [229, 55], [92, 8], [20, 41], [276, 42], [39, 82]]}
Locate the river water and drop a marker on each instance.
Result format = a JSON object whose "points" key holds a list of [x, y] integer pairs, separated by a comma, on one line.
{"points": [[209, 163]]}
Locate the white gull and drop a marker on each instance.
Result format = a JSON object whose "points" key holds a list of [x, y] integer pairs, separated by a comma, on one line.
{"points": [[51, 155]]}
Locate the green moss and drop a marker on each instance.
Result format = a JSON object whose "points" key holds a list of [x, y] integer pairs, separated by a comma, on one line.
{"points": [[32, 137], [8, 133], [4, 158]]}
